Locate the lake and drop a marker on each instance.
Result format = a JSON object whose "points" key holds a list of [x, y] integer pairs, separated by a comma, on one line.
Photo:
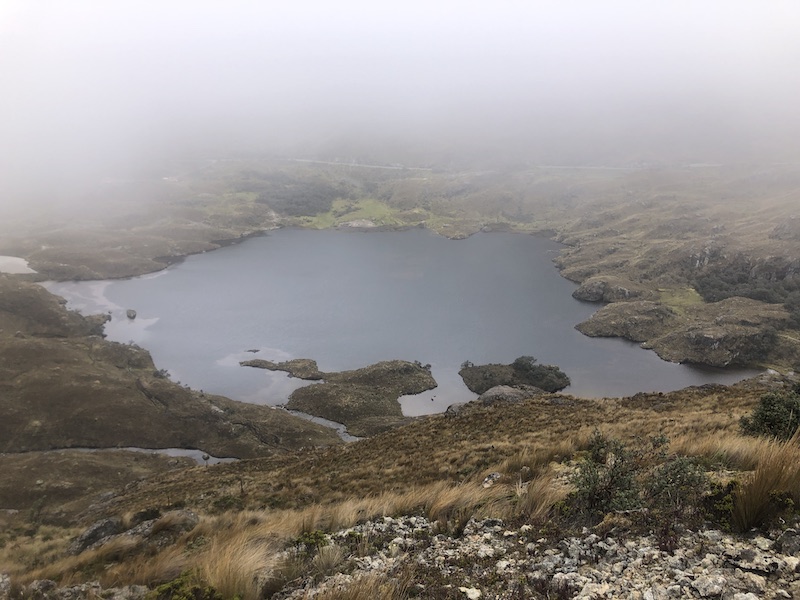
{"points": [[348, 299]]}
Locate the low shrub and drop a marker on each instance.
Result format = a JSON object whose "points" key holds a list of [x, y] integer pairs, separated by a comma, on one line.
{"points": [[666, 489], [777, 415]]}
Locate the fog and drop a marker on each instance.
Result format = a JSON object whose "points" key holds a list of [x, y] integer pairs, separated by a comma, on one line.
{"points": [[94, 89]]}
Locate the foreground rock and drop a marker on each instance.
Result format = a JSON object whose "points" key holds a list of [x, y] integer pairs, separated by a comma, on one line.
{"points": [[365, 400], [493, 560]]}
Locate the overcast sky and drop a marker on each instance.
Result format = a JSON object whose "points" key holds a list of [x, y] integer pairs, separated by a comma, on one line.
{"points": [[89, 86]]}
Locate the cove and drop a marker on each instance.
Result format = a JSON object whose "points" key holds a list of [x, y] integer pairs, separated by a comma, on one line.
{"points": [[348, 299]]}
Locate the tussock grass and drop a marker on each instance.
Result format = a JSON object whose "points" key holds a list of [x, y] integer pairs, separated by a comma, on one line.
{"points": [[240, 565], [776, 476], [403, 472], [539, 496], [328, 560]]}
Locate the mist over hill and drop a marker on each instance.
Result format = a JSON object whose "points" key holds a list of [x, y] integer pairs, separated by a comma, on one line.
{"points": [[95, 91]]}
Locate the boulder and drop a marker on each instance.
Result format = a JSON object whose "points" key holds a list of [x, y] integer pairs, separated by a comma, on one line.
{"points": [[507, 393], [99, 530], [454, 409]]}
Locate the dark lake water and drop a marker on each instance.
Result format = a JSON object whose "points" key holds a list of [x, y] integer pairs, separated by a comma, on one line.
{"points": [[349, 299]]}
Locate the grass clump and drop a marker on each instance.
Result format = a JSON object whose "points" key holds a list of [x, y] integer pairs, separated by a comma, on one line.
{"points": [[185, 587], [773, 487]]}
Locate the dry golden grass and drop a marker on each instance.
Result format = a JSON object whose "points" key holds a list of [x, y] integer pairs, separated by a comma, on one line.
{"points": [[531, 461], [328, 560], [86, 566], [736, 452], [21, 552], [149, 570], [366, 587]]}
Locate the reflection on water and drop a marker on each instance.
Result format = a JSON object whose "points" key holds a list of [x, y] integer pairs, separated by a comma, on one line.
{"points": [[198, 456]]}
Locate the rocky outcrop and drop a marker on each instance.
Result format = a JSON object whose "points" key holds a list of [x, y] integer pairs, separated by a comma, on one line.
{"points": [[732, 332], [636, 321], [96, 532], [612, 289], [44, 589], [715, 345]]}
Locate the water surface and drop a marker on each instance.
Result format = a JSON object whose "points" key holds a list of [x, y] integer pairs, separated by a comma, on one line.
{"points": [[14, 264], [349, 299]]}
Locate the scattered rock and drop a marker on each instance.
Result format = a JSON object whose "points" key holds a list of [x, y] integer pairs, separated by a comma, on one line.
{"points": [[789, 542], [709, 586], [490, 479], [489, 559], [44, 589], [130, 313]]}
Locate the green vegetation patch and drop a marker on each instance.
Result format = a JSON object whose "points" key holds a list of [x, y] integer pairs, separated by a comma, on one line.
{"points": [[365, 212], [680, 298]]}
